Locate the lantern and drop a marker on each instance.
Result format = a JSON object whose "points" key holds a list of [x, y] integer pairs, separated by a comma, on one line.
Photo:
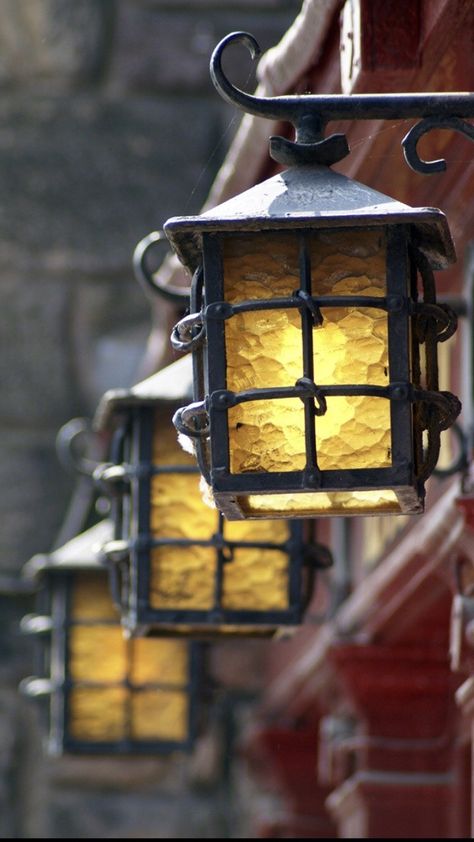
{"points": [[181, 568], [106, 694], [314, 329]]}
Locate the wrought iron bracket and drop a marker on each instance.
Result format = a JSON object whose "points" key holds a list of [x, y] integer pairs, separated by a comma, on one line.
{"points": [[309, 114], [149, 280], [73, 442]]}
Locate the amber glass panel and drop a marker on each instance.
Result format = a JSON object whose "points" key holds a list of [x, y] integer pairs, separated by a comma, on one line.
{"points": [[262, 586], [159, 661], [351, 346], [264, 349], [354, 433], [348, 262], [159, 715], [181, 577], [98, 714], [260, 266], [267, 436], [184, 577], [97, 654], [114, 677], [91, 600], [332, 502]]}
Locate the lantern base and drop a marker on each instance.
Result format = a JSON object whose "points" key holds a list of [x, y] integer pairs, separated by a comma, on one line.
{"points": [[385, 501]]}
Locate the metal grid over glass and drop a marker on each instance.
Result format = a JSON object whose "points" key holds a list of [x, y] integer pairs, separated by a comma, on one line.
{"points": [[362, 479], [108, 694], [181, 568]]}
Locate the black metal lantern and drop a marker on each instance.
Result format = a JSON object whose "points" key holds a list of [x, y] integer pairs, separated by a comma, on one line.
{"points": [[180, 568], [107, 694], [314, 323]]}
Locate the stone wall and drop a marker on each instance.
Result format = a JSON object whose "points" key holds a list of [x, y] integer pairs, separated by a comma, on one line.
{"points": [[109, 124]]}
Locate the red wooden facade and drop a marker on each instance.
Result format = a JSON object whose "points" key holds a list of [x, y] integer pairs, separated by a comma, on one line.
{"points": [[366, 719]]}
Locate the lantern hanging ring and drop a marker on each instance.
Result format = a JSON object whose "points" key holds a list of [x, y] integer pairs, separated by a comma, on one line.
{"points": [[310, 113]]}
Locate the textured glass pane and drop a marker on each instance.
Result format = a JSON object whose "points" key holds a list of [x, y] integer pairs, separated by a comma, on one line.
{"points": [[256, 587], [264, 349], [183, 577], [177, 510], [351, 347], [260, 266], [97, 654], [320, 503], [97, 714], [157, 661], [271, 532], [261, 586], [348, 262], [159, 714], [354, 433], [90, 598], [267, 436]]}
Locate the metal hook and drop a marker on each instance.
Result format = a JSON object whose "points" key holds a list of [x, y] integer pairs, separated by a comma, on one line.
{"points": [[66, 443], [150, 280], [410, 141], [310, 113]]}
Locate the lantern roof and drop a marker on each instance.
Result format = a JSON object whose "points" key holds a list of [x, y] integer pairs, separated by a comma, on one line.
{"points": [[311, 196], [83, 552], [171, 385]]}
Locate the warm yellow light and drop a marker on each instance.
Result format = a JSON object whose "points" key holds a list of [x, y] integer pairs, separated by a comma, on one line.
{"points": [[321, 503], [264, 349], [184, 577], [98, 714], [121, 689]]}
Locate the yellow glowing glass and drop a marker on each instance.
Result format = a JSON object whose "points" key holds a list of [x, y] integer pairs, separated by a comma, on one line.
{"points": [[121, 689], [264, 349], [321, 503], [184, 577]]}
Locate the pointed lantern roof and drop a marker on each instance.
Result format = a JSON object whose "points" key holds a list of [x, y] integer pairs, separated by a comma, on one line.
{"points": [[311, 197]]}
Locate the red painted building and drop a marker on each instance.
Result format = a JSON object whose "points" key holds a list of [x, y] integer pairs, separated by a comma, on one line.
{"points": [[365, 724]]}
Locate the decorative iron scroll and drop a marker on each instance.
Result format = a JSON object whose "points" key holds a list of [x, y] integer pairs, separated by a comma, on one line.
{"points": [[150, 281], [310, 113]]}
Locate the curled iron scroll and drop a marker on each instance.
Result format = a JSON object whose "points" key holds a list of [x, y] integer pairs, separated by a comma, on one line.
{"points": [[74, 443], [148, 279], [410, 141]]}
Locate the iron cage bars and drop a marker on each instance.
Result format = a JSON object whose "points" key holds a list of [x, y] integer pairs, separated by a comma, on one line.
{"points": [[409, 467], [53, 626], [130, 552]]}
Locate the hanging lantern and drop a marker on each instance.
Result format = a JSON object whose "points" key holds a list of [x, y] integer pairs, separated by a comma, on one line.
{"points": [[106, 694], [314, 326], [181, 569]]}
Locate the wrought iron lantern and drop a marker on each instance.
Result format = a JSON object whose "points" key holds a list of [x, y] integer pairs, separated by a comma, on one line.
{"points": [[179, 567], [314, 323], [107, 694]]}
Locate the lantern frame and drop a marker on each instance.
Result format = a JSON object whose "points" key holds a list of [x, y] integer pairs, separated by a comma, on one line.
{"points": [[54, 576], [305, 199], [417, 240], [129, 481]]}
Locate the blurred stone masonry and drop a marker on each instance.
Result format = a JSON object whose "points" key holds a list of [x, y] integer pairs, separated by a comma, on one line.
{"points": [[109, 125]]}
